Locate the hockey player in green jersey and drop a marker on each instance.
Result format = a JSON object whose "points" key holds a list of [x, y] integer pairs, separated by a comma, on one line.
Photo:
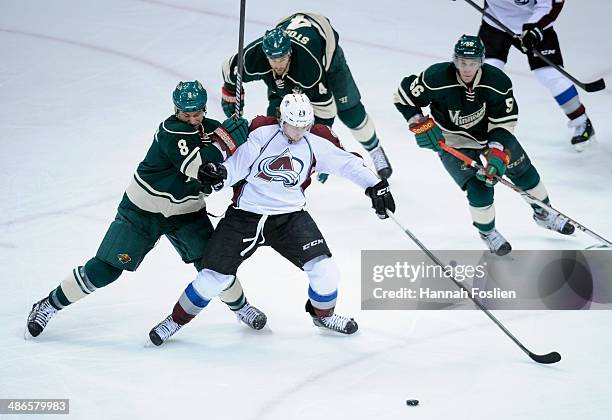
{"points": [[473, 109], [301, 55], [164, 197]]}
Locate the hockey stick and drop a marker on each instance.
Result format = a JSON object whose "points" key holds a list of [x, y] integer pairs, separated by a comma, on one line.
{"points": [[549, 358], [595, 86], [240, 64], [471, 162]]}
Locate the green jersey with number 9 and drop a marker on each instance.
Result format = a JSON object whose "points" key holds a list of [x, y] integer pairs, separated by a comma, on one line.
{"points": [[469, 115]]}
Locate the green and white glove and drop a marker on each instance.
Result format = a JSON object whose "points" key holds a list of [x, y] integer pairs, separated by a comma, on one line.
{"points": [[231, 134], [427, 133], [498, 159]]}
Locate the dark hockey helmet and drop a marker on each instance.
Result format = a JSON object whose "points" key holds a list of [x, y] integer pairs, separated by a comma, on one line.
{"points": [[276, 43], [189, 96], [469, 46]]}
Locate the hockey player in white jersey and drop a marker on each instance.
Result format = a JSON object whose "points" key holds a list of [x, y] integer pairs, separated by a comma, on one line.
{"points": [[533, 20], [269, 174]]}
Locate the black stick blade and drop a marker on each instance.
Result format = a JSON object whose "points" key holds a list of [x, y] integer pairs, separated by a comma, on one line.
{"points": [[546, 359], [595, 86]]}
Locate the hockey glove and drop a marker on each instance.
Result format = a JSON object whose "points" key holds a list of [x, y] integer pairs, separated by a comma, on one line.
{"points": [[530, 38], [497, 161], [231, 134], [381, 197], [427, 133], [228, 101], [213, 174]]}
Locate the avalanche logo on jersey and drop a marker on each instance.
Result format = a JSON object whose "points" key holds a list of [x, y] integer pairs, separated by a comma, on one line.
{"points": [[281, 168], [521, 2]]}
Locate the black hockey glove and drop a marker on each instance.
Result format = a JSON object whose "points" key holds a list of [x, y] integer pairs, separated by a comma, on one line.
{"points": [[382, 200], [213, 174], [530, 38]]}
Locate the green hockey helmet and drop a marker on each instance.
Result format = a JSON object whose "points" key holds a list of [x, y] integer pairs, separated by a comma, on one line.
{"points": [[469, 46], [189, 96], [276, 43]]}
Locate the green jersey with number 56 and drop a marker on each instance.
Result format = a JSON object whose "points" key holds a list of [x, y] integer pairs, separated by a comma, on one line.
{"points": [[469, 115], [313, 43], [166, 180]]}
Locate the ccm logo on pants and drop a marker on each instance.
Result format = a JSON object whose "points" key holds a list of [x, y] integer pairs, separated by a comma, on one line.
{"points": [[311, 244]]}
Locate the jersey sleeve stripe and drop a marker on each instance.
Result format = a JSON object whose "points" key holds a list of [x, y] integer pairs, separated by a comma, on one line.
{"points": [[227, 70], [325, 109], [503, 119], [192, 163], [508, 126], [404, 99], [152, 191], [148, 199]]}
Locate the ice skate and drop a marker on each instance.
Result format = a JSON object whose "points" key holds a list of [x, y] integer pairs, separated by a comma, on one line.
{"points": [[252, 316], [583, 132], [163, 331], [331, 321], [381, 162], [496, 242], [39, 316], [553, 221]]}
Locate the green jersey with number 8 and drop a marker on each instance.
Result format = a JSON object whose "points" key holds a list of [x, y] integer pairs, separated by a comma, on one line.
{"points": [[166, 180]]}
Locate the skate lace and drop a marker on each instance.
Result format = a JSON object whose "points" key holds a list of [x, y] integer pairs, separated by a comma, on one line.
{"points": [[335, 322], [167, 327], [379, 158], [248, 314], [578, 126], [495, 240], [558, 223], [552, 221], [43, 313]]}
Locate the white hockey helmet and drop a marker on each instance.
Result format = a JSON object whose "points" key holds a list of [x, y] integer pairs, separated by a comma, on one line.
{"points": [[296, 110], [296, 116]]}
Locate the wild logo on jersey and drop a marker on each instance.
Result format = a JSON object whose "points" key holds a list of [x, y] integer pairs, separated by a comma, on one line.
{"points": [[281, 168], [468, 120]]}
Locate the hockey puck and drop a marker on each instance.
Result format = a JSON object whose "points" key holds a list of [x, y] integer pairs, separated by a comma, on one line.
{"points": [[412, 402]]}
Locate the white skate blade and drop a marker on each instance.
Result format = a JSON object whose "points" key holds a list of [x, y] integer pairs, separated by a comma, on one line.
{"points": [[149, 344], [598, 246], [26, 334], [582, 146], [249, 330]]}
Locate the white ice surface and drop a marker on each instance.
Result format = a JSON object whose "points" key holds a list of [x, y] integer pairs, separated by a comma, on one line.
{"points": [[83, 86]]}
